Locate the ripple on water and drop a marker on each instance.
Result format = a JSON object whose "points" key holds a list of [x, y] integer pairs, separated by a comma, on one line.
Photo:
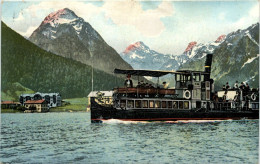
{"points": [[69, 137]]}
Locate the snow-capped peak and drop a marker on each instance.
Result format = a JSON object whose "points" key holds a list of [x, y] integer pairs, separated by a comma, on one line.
{"points": [[134, 46], [66, 21], [190, 46], [60, 16], [220, 39]]}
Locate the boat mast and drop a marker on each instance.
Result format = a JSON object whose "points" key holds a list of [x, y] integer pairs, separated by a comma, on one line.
{"points": [[92, 72], [157, 82]]}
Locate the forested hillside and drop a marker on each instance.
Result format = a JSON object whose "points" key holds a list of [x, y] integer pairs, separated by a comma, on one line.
{"points": [[27, 67]]}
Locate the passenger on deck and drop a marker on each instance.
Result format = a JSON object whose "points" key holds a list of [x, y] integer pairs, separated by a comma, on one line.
{"points": [[227, 86], [224, 88], [142, 84], [242, 86], [165, 86], [146, 85], [138, 85], [128, 82], [247, 88], [236, 85], [150, 86]]}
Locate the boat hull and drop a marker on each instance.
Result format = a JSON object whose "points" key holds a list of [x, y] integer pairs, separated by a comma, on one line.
{"points": [[100, 113]]}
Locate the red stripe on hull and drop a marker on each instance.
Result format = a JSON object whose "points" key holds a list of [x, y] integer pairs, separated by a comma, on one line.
{"points": [[173, 119]]}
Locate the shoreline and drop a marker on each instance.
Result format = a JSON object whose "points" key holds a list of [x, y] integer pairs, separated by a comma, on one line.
{"points": [[51, 111], [66, 109], [70, 105]]}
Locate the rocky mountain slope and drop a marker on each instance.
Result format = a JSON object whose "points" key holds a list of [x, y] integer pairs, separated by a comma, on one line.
{"points": [[140, 56], [236, 58], [65, 34], [26, 68], [197, 51]]}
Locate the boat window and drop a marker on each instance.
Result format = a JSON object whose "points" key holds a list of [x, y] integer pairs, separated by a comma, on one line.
{"points": [[145, 104], [182, 78], [178, 77], [138, 103], [157, 104], [202, 77], [196, 94], [207, 84], [169, 104], [186, 104], [208, 95], [151, 104], [122, 103], [187, 77], [163, 104], [255, 106], [196, 77], [181, 105], [130, 103], [175, 104]]}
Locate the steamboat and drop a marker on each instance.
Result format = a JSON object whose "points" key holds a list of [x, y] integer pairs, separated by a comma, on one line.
{"points": [[192, 98]]}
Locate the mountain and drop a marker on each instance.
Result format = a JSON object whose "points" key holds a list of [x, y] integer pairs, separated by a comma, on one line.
{"points": [[197, 51], [65, 34], [235, 58], [26, 68], [140, 56]]}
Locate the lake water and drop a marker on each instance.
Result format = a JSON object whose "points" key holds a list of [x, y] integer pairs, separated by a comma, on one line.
{"points": [[70, 138]]}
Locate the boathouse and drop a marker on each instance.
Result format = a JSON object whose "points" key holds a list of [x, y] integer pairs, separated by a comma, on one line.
{"points": [[37, 105]]}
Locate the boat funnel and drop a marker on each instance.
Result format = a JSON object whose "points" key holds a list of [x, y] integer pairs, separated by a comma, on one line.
{"points": [[208, 63], [208, 66]]}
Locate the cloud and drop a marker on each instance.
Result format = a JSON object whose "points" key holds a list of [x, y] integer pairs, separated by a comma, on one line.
{"points": [[19, 18], [29, 31], [131, 13], [254, 12], [251, 18], [85, 10], [123, 22], [32, 16], [222, 16]]}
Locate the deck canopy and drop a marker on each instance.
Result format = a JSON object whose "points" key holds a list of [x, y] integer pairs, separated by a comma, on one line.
{"points": [[151, 73], [154, 73]]}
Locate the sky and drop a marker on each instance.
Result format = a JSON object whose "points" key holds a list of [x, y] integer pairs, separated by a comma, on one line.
{"points": [[165, 26]]}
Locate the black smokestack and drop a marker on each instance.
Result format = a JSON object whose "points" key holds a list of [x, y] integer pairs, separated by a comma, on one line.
{"points": [[208, 63], [208, 66]]}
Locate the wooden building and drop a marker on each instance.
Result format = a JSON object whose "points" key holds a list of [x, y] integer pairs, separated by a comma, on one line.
{"points": [[52, 99], [37, 105], [9, 104]]}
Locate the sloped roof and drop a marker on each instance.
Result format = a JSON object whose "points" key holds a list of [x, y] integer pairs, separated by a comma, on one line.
{"points": [[10, 102], [34, 101], [106, 93]]}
